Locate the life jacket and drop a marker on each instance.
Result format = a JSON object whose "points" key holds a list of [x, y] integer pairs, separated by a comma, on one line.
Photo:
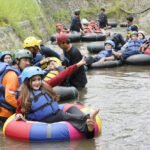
{"points": [[3, 70], [147, 51], [143, 40], [95, 28], [134, 45], [42, 106], [130, 29], [51, 75]]}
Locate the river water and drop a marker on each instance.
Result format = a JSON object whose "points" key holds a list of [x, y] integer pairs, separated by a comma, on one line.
{"points": [[122, 94]]}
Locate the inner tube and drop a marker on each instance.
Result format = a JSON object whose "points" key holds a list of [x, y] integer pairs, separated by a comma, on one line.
{"points": [[93, 37], [139, 59], [106, 64], [32, 131], [73, 37], [123, 24], [95, 47], [66, 93], [113, 24]]}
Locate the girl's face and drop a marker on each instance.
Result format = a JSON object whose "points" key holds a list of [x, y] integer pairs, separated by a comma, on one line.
{"points": [[108, 46], [36, 82], [7, 59], [140, 36]]}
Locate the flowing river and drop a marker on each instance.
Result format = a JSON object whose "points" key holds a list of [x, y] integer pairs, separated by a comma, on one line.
{"points": [[122, 94]]}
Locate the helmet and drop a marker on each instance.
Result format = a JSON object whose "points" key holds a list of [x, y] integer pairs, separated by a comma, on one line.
{"points": [[30, 72], [84, 21], [23, 53], [56, 60], [130, 18], [3, 53], [110, 42], [134, 33], [62, 38], [77, 12], [31, 41]]}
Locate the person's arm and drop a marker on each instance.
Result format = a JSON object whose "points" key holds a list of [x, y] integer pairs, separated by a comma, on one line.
{"points": [[19, 115], [47, 52], [58, 79], [102, 60], [73, 23], [11, 83], [124, 46]]}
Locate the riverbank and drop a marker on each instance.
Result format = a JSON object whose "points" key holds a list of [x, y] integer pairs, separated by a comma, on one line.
{"points": [[38, 17]]}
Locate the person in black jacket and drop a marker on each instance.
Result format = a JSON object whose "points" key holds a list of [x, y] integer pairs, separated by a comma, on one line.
{"points": [[72, 56], [102, 19], [76, 22]]}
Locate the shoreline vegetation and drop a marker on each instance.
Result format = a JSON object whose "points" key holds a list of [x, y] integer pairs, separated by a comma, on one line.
{"points": [[14, 11]]}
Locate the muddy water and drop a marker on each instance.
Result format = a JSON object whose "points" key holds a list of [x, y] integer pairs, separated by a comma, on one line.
{"points": [[123, 95]]}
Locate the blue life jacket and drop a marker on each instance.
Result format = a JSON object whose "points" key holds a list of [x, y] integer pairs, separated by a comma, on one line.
{"points": [[143, 41], [103, 54], [134, 45], [3, 70], [42, 106]]}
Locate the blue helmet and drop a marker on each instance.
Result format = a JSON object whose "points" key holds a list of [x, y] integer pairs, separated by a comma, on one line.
{"points": [[110, 42], [30, 72], [3, 53]]}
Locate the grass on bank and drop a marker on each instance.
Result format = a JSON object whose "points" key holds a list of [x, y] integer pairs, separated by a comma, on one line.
{"points": [[14, 11]]}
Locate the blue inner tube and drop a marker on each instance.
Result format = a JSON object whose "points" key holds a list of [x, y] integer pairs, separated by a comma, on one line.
{"points": [[93, 37], [95, 47], [139, 59], [106, 64]]}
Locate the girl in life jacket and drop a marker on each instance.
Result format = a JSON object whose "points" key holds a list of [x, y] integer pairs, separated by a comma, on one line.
{"points": [[38, 102]]}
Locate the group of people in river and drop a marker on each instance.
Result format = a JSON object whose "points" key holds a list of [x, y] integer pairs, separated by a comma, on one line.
{"points": [[25, 86], [27, 89], [116, 47]]}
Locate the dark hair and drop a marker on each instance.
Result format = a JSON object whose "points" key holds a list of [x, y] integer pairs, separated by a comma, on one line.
{"points": [[25, 91], [102, 9], [130, 18], [77, 12]]}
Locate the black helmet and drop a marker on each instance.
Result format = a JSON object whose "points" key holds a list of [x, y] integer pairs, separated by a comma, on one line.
{"points": [[77, 12], [130, 18]]}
